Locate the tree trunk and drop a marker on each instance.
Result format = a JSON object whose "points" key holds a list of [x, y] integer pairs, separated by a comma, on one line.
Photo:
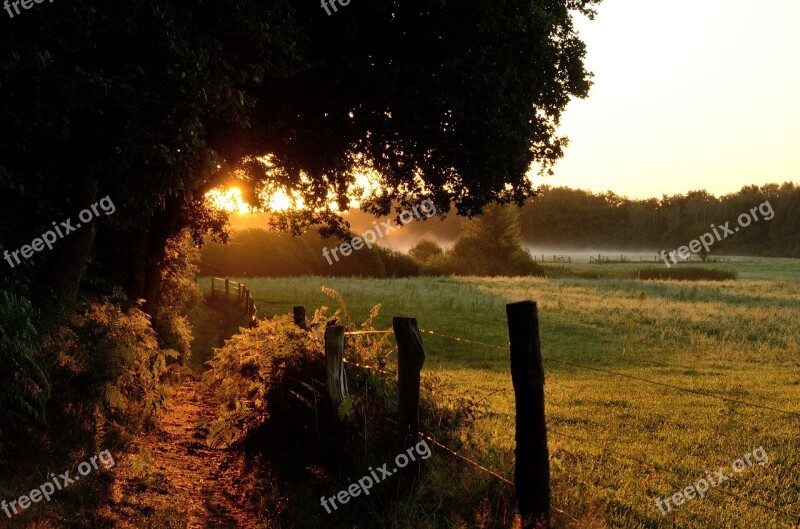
{"points": [[67, 263], [163, 225]]}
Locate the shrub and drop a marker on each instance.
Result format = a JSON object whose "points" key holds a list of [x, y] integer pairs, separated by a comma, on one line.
{"points": [[109, 361], [24, 384], [425, 250], [179, 293]]}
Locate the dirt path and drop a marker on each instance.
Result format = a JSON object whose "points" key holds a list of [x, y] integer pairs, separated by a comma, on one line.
{"points": [[176, 480]]}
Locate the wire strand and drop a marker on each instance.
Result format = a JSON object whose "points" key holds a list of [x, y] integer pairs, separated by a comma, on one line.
{"points": [[492, 346], [632, 377]]}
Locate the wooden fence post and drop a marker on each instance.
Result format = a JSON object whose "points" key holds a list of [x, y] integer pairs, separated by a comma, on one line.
{"points": [[334, 357], [300, 317], [532, 468], [212, 286], [227, 288], [239, 294], [410, 358]]}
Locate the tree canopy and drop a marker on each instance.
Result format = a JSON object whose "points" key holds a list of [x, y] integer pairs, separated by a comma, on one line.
{"points": [[155, 103]]}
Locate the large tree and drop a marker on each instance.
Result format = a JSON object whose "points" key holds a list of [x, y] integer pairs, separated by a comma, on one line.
{"points": [[155, 103]]}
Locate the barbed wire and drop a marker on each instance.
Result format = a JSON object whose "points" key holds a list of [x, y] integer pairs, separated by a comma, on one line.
{"points": [[481, 467], [457, 339], [632, 377], [355, 333], [346, 361]]}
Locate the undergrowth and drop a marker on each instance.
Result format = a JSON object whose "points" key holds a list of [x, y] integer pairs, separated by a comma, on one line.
{"points": [[274, 405]]}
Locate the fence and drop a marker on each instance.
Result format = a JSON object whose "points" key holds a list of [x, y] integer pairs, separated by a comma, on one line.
{"points": [[239, 290], [793, 517], [532, 474], [531, 479], [604, 259], [555, 259]]}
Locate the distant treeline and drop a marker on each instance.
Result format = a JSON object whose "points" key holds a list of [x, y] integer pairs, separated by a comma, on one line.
{"points": [[569, 218], [257, 252], [490, 245]]}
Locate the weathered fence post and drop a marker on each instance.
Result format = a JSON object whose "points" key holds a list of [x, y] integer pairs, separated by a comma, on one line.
{"points": [[239, 294], [334, 357], [300, 317], [410, 357], [227, 288], [212, 286], [532, 469]]}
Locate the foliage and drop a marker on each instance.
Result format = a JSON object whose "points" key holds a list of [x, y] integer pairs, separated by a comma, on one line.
{"points": [[256, 252], [256, 366], [247, 368], [736, 338], [490, 245], [24, 384], [179, 294], [114, 354], [425, 250], [155, 103], [272, 395], [571, 218]]}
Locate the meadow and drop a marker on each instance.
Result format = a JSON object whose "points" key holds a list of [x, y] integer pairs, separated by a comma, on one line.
{"points": [[617, 443]]}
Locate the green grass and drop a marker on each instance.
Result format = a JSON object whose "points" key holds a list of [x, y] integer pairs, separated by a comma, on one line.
{"points": [[755, 268], [211, 326], [736, 338]]}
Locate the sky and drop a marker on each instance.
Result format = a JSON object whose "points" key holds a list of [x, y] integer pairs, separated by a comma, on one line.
{"points": [[688, 94]]}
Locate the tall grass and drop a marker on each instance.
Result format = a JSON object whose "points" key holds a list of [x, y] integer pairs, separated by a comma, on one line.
{"points": [[739, 339]]}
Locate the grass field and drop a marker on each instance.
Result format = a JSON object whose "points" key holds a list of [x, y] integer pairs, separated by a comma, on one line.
{"points": [[755, 268], [739, 339]]}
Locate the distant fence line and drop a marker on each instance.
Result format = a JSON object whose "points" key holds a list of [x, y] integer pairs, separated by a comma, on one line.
{"points": [[555, 259], [238, 290]]}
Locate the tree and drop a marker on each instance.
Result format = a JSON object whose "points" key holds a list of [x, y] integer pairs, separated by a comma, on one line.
{"points": [[491, 245], [155, 103], [425, 250]]}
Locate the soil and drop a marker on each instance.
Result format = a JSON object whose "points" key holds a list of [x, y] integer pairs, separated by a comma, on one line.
{"points": [[176, 480]]}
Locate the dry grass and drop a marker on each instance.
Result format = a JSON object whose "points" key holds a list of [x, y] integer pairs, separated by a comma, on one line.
{"points": [[739, 339]]}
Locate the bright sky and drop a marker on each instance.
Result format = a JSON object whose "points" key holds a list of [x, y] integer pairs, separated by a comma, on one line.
{"points": [[688, 94]]}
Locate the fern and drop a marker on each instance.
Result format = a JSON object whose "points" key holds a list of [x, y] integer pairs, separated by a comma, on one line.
{"points": [[24, 384], [262, 366]]}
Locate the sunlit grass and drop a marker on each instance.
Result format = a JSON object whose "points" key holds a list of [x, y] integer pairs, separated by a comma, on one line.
{"points": [[739, 339]]}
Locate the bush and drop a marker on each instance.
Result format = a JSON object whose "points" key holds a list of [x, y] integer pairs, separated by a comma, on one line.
{"points": [[425, 250], [179, 293], [490, 245], [270, 386], [24, 384], [109, 365]]}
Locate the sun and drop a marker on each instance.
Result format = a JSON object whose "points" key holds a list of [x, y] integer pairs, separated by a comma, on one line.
{"points": [[228, 200], [366, 184]]}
